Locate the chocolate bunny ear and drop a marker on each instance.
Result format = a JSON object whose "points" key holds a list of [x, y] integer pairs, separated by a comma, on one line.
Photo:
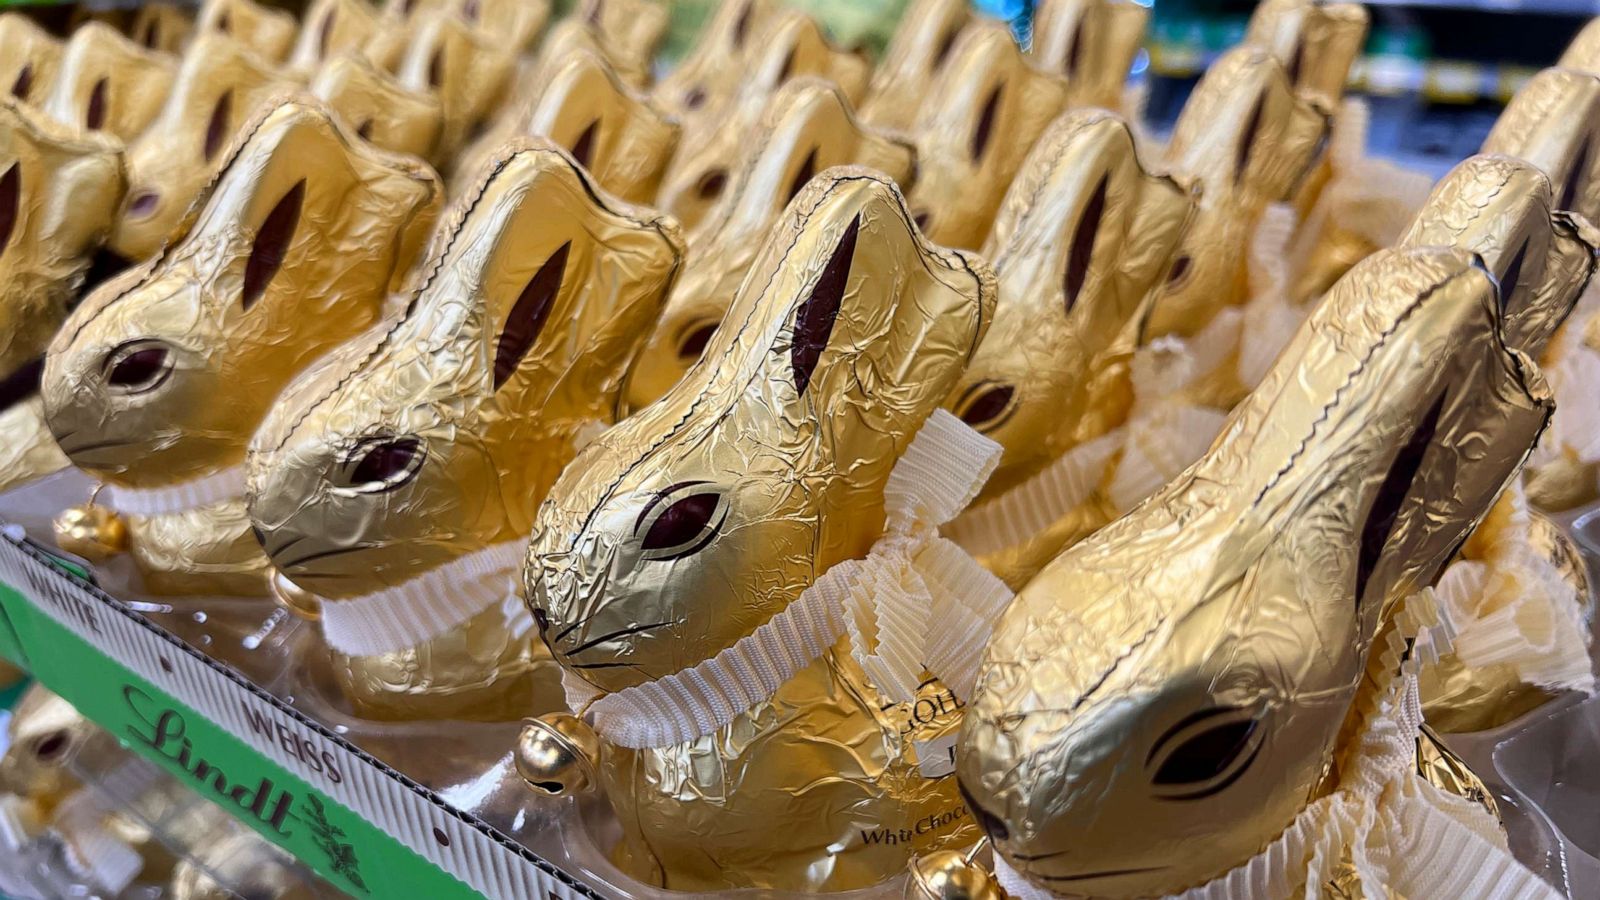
{"points": [[1084, 237], [1316, 43], [1091, 43], [985, 110], [1554, 123], [1583, 53], [917, 53], [218, 86], [267, 31], [332, 28], [162, 27], [467, 71], [378, 108], [632, 29], [29, 57], [109, 83], [791, 45], [807, 128], [1500, 209], [1247, 139], [712, 72], [1163, 686]]}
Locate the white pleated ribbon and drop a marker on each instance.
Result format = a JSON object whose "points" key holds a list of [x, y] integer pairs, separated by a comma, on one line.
{"points": [[95, 854], [430, 604], [207, 490], [911, 584]]}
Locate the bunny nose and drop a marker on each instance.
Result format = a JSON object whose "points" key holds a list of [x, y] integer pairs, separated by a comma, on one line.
{"points": [[137, 366], [143, 203]]}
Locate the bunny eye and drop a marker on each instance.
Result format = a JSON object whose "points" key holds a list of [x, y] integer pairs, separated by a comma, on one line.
{"points": [[271, 244], [803, 175], [1179, 273], [137, 366], [990, 406], [10, 203], [1205, 753], [694, 97], [1075, 52], [529, 314], [985, 127], [1578, 175], [383, 464], [217, 128], [1396, 486], [152, 34], [95, 116], [1082, 247], [364, 130], [694, 342], [24, 83], [583, 147], [1513, 274], [813, 324], [436, 68], [470, 10], [50, 747], [711, 184], [946, 42], [684, 526], [741, 27], [223, 23], [788, 66]]}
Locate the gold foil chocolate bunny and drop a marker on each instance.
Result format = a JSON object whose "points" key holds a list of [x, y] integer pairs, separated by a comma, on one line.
{"points": [[59, 189], [265, 30], [1554, 123], [378, 107], [1316, 42], [217, 88], [515, 23], [1166, 697], [42, 736], [917, 52], [29, 56], [332, 28], [694, 523], [631, 29], [400, 477], [807, 128], [713, 70], [1090, 42], [163, 27], [304, 233], [789, 46], [463, 67], [109, 83], [986, 108]]}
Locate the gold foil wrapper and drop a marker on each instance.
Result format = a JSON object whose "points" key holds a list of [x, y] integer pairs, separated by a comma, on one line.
{"points": [[163, 27], [267, 31], [218, 86], [1248, 139], [631, 29], [1161, 701], [540, 291], [1554, 123], [791, 45], [987, 107], [514, 23], [917, 53], [808, 127], [679, 531], [305, 232], [1084, 237], [42, 736], [1567, 483], [1091, 43], [464, 68], [29, 57], [712, 72], [377, 107], [109, 83], [332, 28], [1316, 43]]}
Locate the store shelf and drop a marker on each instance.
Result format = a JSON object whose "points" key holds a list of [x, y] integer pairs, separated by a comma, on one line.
{"points": [[1537, 7]]}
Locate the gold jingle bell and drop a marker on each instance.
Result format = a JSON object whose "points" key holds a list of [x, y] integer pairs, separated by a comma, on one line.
{"points": [[951, 875], [95, 533], [556, 755], [294, 598]]}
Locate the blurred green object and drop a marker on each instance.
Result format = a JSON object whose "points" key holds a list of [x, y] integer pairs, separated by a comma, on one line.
{"points": [[864, 24]]}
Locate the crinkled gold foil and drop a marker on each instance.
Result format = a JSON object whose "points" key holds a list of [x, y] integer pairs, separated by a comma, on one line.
{"points": [[463, 67], [109, 83], [808, 127], [41, 738], [686, 526], [1554, 123], [29, 57], [986, 108], [163, 27], [917, 52], [1248, 139], [712, 72], [332, 28], [789, 46], [514, 23], [1091, 43], [218, 86], [376, 106], [1583, 53], [267, 31], [631, 29], [512, 349], [305, 231], [1165, 697], [1316, 42], [1084, 237]]}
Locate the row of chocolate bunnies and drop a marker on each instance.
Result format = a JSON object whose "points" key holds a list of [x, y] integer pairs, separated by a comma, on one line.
{"points": [[1240, 419]]}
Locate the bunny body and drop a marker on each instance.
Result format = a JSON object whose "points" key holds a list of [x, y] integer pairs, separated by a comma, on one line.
{"points": [[684, 528]]}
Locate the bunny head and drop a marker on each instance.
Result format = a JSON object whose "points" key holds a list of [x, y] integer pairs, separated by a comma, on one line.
{"points": [[333, 27], [1084, 237], [162, 27], [379, 109], [59, 189], [44, 733], [791, 45], [1501, 209], [444, 438], [807, 128], [1316, 42], [304, 232], [1248, 139], [1164, 698], [1090, 42], [266, 31], [984, 112], [514, 23], [711, 73], [917, 53], [632, 29], [217, 88], [461, 65], [109, 83], [29, 57], [1554, 123], [686, 526]]}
